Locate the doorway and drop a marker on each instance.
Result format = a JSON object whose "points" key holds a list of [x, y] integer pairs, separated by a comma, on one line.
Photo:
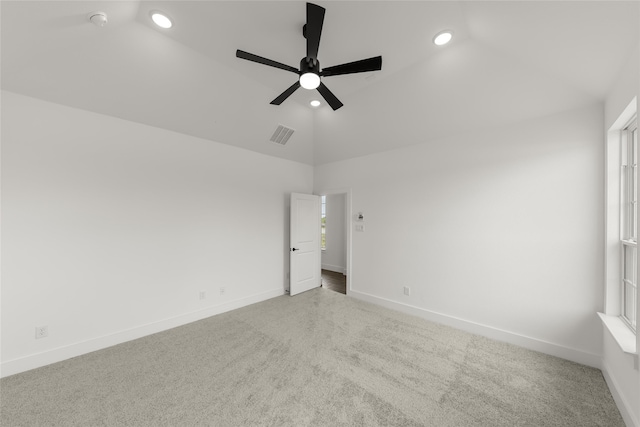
{"points": [[334, 281], [335, 240]]}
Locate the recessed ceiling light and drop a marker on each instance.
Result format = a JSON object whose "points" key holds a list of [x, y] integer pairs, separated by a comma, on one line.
{"points": [[443, 37], [98, 18], [315, 103], [161, 20]]}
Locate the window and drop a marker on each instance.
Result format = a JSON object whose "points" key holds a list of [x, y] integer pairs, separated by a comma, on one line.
{"points": [[323, 223], [629, 222], [621, 236]]}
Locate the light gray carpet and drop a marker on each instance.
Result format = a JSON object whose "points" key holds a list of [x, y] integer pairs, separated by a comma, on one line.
{"points": [[316, 359]]}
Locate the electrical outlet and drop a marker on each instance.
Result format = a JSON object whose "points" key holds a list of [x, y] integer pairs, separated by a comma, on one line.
{"points": [[42, 331], [223, 290], [203, 295], [407, 290]]}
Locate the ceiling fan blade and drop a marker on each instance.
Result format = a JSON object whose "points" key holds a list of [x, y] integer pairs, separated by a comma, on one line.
{"points": [[370, 64], [260, 60], [287, 93], [329, 97], [315, 19]]}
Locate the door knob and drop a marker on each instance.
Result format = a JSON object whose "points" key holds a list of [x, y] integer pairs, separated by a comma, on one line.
{"points": [[294, 249]]}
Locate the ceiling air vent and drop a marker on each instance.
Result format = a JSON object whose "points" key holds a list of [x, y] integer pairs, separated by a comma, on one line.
{"points": [[282, 135]]}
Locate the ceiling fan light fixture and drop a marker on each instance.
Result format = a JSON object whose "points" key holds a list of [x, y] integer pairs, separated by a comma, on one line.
{"points": [[310, 81], [309, 72], [315, 103], [161, 20], [443, 37]]}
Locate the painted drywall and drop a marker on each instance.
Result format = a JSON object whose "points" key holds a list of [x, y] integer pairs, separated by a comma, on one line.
{"points": [[623, 90], [110, 226], [623, 376], [499, 228], [622, 379], [334, 258], [459, 91]]}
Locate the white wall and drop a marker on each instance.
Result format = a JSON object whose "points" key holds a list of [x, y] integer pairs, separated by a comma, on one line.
{"points": [[334, 258], [622, 374], [110, 229], [496, 231], [623, 90]]}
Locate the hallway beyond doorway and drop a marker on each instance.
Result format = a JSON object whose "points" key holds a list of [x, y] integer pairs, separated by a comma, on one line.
{"points": [[334, 281]]}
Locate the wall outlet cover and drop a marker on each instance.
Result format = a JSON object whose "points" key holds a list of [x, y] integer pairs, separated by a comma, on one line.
{"points": [[42, 331]]}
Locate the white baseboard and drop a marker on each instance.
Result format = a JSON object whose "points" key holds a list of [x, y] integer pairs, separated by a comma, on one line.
{"points": [[334, 268], [33, 361], [623, 405], [552, 349]]}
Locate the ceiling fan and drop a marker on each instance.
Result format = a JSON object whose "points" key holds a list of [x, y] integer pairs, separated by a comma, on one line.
{"points": [[309, 72]]}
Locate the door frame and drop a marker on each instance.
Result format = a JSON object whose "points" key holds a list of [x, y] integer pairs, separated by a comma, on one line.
{"points": [[348, 227]]}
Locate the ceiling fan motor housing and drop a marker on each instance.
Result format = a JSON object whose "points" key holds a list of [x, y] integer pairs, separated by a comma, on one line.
{"points": [[309, 65]]}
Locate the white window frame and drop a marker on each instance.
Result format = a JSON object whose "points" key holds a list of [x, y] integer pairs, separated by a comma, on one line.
{"points": [[619, 330], [629, 223], [323, 223]]}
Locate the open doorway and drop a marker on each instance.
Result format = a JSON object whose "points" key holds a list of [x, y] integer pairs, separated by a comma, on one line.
{"points": [[334, 241], [334, 281]]}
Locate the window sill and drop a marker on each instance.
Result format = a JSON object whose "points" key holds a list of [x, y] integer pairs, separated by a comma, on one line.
{"points": [[625, 338]]}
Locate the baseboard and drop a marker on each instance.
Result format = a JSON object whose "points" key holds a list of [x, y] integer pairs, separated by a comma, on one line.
{"points": [[334, 268], [552, 349], [33, 361], [623, 405]]}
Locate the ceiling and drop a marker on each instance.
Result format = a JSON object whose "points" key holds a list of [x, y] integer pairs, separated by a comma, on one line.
{"points": [[508, 61]]}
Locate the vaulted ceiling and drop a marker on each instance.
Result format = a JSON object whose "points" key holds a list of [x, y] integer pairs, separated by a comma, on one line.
{"points": [[508, 61]]}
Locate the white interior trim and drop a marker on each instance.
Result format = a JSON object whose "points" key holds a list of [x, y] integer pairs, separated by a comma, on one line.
{"points": [[621, 402], [15, 366], [612, 154], [625, 338], [334, 268], [574, 355]]}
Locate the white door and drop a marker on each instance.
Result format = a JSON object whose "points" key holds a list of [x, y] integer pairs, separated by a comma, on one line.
{"points": [[304, 248]]}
